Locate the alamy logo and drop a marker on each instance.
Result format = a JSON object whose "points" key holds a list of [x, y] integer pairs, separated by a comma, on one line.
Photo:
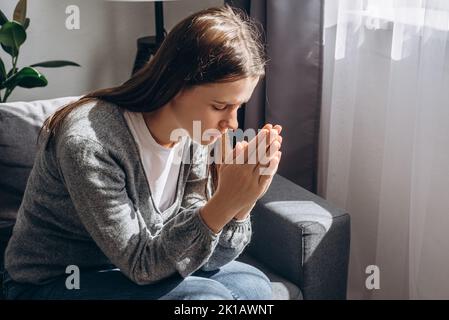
{"points": [[73, 280], [373, 280], [72, 22], [256, 153]]}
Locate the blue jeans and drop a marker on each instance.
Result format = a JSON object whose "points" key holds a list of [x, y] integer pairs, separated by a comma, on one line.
{"points": [[233, 281]]}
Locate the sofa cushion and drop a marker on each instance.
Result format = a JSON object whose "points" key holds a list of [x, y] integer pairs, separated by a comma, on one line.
{"points": [[282, 288], [19, 125]]}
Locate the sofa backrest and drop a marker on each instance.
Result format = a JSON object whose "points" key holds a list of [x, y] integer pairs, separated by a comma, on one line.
{"points": [[19, 125]]}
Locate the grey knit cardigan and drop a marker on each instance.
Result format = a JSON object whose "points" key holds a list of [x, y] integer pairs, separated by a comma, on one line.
{"points": [[88, 203]]}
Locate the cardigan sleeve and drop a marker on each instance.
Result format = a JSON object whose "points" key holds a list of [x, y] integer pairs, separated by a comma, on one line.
{"points": [[235, 235], [96, 184]]}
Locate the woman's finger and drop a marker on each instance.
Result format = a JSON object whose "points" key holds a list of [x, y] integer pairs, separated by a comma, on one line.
{"points": [[265, 153], [225, 149], [257, 147], [278, 128], [264, 173], [254, 144], [271, 168], [268, 126]]}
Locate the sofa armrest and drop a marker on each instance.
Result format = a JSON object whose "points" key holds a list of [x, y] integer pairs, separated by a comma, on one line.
{"points": [[303, 238]]}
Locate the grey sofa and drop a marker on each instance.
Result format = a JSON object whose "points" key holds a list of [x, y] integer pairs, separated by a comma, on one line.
{"points": [[299, 240]]}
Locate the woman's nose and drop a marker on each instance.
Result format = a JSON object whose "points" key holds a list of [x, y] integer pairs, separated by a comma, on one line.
{"points": [[231, 122]]}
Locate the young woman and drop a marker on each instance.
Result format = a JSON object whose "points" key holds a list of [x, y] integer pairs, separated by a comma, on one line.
{"points": [[107, 198]]}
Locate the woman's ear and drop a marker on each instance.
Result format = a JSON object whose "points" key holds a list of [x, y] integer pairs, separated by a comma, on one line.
{"points": [[179, 94]]}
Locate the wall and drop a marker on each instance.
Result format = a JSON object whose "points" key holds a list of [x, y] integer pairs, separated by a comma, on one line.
{"points": [[105, 45]]}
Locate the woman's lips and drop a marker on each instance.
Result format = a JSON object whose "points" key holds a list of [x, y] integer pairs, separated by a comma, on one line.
{"points": [[214, 134]]}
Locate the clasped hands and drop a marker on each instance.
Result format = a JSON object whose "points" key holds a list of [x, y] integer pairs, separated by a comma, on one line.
{"points": [[246, 172]]}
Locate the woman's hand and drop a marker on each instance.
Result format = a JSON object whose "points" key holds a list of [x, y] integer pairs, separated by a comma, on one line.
{"points": [[272, 151], [241, 184], [263, 169], [239, 181]]}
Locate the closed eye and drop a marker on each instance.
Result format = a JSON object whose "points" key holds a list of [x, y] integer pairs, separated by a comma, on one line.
{"points": [[221, 107], [218, 107]]}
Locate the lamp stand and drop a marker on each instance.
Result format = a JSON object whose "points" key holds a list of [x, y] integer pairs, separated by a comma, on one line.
{"points": [[147, 46]]}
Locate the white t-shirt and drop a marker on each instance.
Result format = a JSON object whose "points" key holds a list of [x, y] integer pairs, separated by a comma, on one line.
{"points": [[161, 167]]}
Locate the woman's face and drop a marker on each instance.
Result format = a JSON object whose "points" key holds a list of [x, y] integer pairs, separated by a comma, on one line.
{"points": [[214, 105]]}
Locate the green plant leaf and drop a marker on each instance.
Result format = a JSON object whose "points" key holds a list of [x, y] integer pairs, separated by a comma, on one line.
{"points": [[55, 64], [12, 34], [26, 23], [12, 51], [10, 72], [3, 18], [26, 77], [20, 12], [2, 71]]}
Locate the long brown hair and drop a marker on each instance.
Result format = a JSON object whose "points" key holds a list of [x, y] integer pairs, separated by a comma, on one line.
{"points": [[219, 44]]}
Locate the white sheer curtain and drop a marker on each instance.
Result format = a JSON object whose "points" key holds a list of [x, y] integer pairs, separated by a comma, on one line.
{"points": [[384, 149]]}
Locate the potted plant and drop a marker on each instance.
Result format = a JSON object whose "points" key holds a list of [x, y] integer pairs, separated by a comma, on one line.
{"points": [[12, 36]]}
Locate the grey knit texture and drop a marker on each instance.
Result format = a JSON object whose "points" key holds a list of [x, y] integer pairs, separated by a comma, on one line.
{"points": [[87, 203]]}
